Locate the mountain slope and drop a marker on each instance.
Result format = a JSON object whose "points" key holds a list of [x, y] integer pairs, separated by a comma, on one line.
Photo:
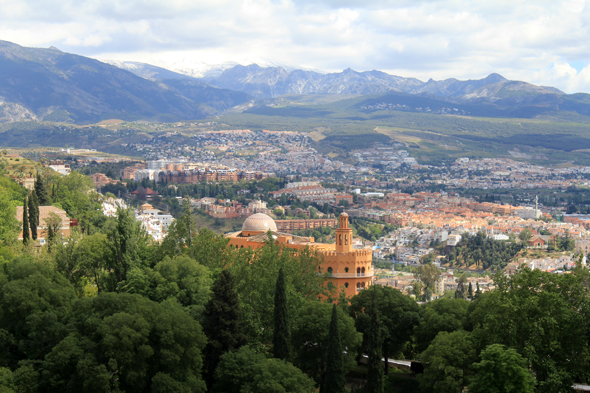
{"points": [[47, 84]]}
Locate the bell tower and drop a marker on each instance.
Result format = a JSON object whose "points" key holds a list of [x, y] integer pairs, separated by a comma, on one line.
{"points": [[343, 235]]}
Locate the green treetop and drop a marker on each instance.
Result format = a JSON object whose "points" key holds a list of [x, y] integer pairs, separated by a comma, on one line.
{"points": [[41, 192], [373, 348], [334, 381], [221, 323], [281, 335], [33, 208], [26, 235], [502, 370]]}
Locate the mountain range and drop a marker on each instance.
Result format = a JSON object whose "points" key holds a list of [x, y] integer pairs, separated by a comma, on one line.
{"points": [[47, 84]]}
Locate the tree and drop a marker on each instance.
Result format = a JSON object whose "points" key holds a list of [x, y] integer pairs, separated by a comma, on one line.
{"points": [[334, 381], [35, 303], [33, 208], [247, 371], [222, 324], [186, 223], [131, 345], [256, 272], [440, 315], [373, 348], [398, 315], [460, 292], [428, 274], [447, 363], [543, 316], [470, 291], [26, 235], [311, 334], [9, 225], [6, 380], [128, 245], [41, 191], [53, 224], [501, 370], [525, 235], [281, 335]]}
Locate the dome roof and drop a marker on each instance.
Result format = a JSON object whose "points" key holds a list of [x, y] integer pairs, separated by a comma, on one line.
{"points": [[259, 222]]}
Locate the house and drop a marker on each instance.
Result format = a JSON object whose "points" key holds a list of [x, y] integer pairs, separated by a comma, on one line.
{"points": [[148, 192], [536, 241], [45, 212]]}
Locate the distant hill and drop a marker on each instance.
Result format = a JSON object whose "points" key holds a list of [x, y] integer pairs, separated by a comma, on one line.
{"points": [[492, 96], [268, 82], [47, 84]]}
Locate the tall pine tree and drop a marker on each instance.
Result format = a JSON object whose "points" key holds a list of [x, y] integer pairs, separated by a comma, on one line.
{"points": [[374, 345], [41, 192], [222, 324], [334, 381], [26, 235], [281, 339], [470, 291], [33, 207]]}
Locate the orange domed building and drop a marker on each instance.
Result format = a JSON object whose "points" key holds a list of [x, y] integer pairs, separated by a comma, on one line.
{"points": [[348, 268]]}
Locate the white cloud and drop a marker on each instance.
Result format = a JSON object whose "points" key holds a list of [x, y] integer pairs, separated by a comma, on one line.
{"points": [[531, 40]]}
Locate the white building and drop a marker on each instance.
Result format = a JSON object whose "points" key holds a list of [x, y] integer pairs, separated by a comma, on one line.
{"points": [[528, 212], [453, 240], [110, 205], [141, 174], [63, 169]]}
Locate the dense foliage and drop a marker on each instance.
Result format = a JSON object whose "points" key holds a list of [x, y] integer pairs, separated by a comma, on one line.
{"points": [[483, 252], [108, 310]]}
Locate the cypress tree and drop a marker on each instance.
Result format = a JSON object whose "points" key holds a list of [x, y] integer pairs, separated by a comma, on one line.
{"points": [[334, 380], [221, 324], [33, 207], [470, 291], [374, 344], [477, 291], [281, 336], [26, 235], [41, 192]]}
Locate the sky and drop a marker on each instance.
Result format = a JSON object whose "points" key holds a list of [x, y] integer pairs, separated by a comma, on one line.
{"points": [[545, 42]]}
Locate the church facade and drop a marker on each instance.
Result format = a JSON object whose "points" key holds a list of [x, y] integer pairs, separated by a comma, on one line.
{"points": [[348, 268]]}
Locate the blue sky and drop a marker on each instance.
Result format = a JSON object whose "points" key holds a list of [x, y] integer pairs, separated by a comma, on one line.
{"points": [[542, 42]]}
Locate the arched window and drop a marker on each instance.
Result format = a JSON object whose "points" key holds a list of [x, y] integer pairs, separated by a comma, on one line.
{"points": [[345, 285], [363, 272], [340, 236], [346, 239], [358, 271], [330, 271], [362, 285], [346, 269], [358, 286]]}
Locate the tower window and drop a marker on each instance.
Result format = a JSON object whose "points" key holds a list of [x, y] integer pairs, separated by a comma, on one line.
{"points": [[346, 270], [345, 285]]}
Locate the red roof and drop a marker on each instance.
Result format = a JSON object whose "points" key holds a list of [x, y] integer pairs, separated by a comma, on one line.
{"points": [[148, 191]]}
